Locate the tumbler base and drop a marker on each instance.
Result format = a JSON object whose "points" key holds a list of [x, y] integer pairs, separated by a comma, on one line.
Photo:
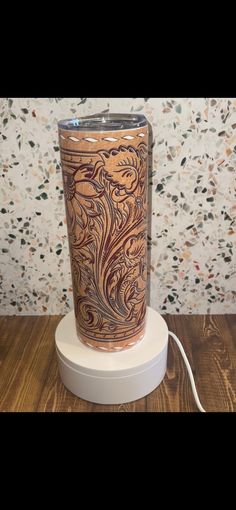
{"points": [[107, 346], [112, 377]]}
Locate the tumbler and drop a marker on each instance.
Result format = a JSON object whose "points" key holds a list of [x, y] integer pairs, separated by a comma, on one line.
{"points": [[104, 169]]}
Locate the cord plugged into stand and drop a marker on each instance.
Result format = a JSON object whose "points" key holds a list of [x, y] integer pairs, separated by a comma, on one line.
{"points": [[190, 373]]}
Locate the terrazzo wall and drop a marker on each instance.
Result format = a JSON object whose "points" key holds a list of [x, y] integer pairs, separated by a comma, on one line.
{"points": [[192, 191]]}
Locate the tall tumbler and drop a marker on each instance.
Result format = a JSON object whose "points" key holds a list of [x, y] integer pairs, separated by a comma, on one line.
{"points": [[104, 167]]}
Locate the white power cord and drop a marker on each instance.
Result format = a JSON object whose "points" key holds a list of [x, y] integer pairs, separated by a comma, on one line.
{"points": [[195, 394]]}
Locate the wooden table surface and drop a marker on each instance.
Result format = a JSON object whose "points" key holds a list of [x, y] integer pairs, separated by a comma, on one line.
{"points": [[29, 378]]}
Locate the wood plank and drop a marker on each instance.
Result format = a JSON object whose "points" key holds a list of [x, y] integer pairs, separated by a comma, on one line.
{"points": [[130, 407], [212, 359], [174, 394], [215, 363], [228, 331], [30, 379], [21, 378], [11, 329]]}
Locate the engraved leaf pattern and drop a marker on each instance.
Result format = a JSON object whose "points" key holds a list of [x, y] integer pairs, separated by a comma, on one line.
{"points": [[105, 196]]}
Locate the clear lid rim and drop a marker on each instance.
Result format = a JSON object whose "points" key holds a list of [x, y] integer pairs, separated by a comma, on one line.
{"points": [[104, 122]]}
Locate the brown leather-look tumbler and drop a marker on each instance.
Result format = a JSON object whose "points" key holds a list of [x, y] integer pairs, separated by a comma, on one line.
{"points": [[104, 167]]}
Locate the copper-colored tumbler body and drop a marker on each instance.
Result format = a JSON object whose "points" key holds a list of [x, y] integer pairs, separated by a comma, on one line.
{"points": [[104, 167]]}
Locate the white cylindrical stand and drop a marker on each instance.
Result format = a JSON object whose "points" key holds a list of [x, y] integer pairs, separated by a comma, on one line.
{"points": [[112, 377]]}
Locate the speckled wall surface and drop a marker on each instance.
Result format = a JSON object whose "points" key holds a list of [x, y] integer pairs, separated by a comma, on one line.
{"points": [[193, 189]]}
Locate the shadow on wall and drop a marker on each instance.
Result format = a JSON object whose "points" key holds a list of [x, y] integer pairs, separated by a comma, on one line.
{"points": [[149, 210]]}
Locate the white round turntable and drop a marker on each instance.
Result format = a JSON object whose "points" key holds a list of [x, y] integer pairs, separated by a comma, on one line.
{"points": [[112, 377]]}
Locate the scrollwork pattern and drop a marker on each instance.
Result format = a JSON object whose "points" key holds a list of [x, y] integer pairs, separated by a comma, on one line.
{"points": [[106, 207]]}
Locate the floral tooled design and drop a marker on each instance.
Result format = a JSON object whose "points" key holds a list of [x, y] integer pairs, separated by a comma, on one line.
{"points": [[80, 194], [105, 194], [123, 169], [134, 249]]}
